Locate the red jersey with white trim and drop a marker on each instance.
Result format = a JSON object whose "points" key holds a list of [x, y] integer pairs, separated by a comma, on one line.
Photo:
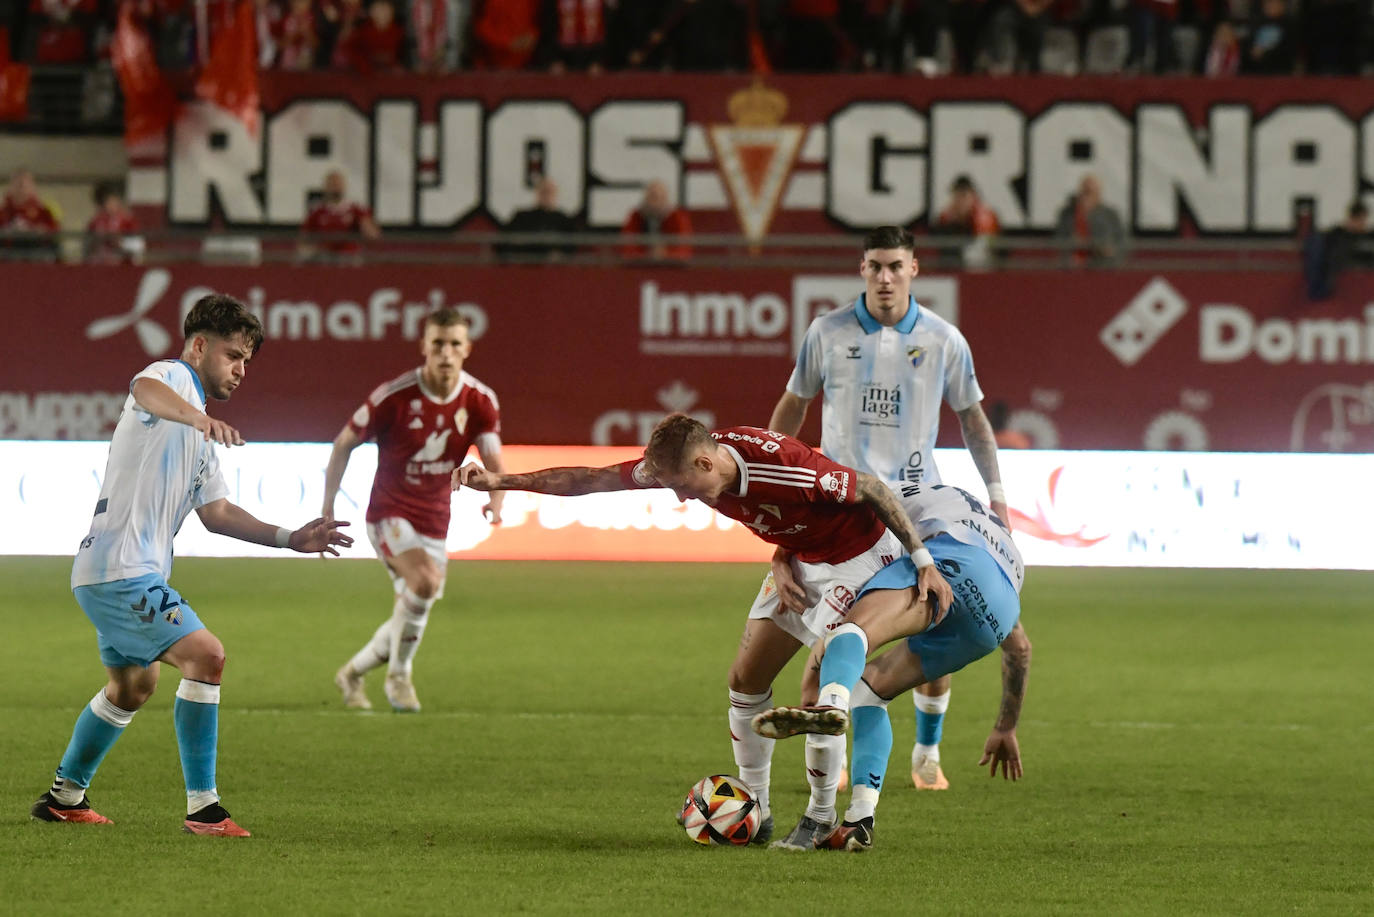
{"points": [[789, 495], [420, 440]]}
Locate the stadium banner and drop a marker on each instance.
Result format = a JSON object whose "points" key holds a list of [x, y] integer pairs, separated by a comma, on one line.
{"points": [[1068, 508], [1201, 361], [787, 153]]}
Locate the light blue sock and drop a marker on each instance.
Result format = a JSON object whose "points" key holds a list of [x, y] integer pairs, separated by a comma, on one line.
{"points": [[843, 661], [97, 729], [196, 715], [872, 746], [928, 727]]}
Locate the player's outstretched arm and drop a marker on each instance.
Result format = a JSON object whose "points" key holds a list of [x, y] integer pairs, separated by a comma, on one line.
{"points": [[1001, 746], [344, 444], [560, 482], [884, 502], [319, 536], [981, 440], [161, 400]]}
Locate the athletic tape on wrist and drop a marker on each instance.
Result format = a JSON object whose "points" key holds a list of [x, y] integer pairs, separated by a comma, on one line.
{"points": [[922, 558], [283, 537], [995, 493]]}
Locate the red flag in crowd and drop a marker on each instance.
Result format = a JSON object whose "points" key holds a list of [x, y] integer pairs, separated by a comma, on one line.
{"points": [[230, 79], [149, 103]]}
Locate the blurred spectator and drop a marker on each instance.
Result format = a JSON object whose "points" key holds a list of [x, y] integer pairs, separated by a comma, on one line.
{"points": [[1326, 254], [966, 215], [267, 22], [435, 29], [544, 216], [1030, 21], [1095, 224], [377, 44], [1151, 35], [505, 34], [300, 39], [1273, 45], [574, 34], [1223, 54], [60, 30], [656, 216], [110, 235], [998, 416], [338, 21], [634, 37], [27, 225], [336, 216]]}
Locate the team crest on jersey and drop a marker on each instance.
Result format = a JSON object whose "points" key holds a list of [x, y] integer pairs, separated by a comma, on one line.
{"points": [[641, 476], [416, 405], [173, 615], [460, 419], [835, 483], [917, 355]]}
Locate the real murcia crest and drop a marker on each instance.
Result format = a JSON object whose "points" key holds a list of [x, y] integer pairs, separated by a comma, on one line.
{"points": [[755, 155]]}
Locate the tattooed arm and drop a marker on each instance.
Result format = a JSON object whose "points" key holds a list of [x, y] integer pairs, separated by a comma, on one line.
{"points": [[888, 509], [562, 482], [1001, 746], [982, 445]]}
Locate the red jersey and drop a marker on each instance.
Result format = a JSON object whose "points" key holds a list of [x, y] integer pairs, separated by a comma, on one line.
{"points": [[789, 495], [338, 218], [29, 215], [420, 440]]}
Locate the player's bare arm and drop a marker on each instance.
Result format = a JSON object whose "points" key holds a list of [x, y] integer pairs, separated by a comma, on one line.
{"points": [[789, 414], [344, 444], [982, 445], [317, 536], [161, 400], [489, 448], [1001, 746], [559, 482], [877, 495]]}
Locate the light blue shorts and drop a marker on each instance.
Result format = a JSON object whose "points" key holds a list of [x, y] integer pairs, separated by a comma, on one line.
{"points": [[986, 606], [136, 619]]}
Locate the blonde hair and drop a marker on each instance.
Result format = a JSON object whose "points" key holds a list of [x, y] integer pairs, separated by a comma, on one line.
{"points": [[673, 442]]}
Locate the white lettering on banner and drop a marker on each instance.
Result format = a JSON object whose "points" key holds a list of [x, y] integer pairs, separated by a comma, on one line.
{"points": [[635, 427], [888, 161], [1229, 333], [711, 323], [59, 415]]}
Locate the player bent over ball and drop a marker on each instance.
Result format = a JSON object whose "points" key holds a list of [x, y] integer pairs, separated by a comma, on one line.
{"points": [[974, 551]]}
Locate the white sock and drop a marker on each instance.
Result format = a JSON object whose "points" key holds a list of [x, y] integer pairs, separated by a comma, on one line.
{"points": [[834, 695], [930, 751], [824, 761], [408, 620], [200, 799], [753, 753], [862, 804], [937, 704], [376, 652], [66, 792]]}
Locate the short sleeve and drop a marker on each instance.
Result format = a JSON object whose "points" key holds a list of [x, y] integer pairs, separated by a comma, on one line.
{"points": [[174, 374], [488, 417], [808, 375], [634, 476], [961, 383], [368, 420]]}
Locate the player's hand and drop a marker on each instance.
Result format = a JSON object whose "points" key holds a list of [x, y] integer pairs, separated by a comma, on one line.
{"points": [[319, 536], [475, 476], [790, 593], [929, 583], [493, 512], [217, 431], [1001, 748]]}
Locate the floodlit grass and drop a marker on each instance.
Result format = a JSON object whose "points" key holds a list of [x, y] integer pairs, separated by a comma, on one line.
{"points": [[1195, 742]]}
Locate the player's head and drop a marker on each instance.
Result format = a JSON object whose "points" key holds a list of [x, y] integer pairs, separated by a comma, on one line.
{"points": [[109, 196], [963, 194], [335, 187], [656, 199], [546, 194], [889, 263], [682, 455], [221, 337], [446, 343]]}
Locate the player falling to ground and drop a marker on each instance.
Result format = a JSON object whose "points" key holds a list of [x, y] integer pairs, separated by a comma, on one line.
{"points": [[829, 518], [424, 421], [974, 551], [884, 364], [162, 465]]}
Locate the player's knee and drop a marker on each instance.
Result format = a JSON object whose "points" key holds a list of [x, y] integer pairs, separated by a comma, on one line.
{"points": [[130, 696], [746, 681], [427, 583]]}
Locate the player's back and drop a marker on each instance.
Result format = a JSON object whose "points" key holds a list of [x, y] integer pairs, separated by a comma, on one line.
{"points": [[936, 508]]}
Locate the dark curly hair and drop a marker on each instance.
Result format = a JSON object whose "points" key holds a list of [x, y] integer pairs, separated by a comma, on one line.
{"points": [[223, 316]]}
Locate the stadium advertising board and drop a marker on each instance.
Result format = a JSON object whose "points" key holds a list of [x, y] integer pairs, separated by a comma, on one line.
{"points": [[1084, 359], [1068, 508], [790, 153]]}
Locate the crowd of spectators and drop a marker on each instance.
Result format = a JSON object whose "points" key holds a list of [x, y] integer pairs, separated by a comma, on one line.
{"points": [[932, 37]]}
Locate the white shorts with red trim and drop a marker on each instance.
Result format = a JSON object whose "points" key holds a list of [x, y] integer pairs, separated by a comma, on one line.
{"points": [[394, 536]]}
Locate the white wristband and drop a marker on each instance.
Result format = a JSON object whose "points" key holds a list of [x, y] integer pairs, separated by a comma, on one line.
{"points": [[283, 537], [922, 558], [995, 493]]}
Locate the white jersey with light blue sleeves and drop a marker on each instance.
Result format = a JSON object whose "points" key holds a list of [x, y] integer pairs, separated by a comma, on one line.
{"points": [[883, 387], [936, 508], [158, 471]]}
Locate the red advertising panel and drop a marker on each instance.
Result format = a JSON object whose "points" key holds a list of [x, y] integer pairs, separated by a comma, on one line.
{"points": [[1085, 360]]}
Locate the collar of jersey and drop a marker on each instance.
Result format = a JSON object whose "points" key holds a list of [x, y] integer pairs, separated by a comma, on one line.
{"points": [[743, 471], [200, 389], [434, 396], [870, 324]]}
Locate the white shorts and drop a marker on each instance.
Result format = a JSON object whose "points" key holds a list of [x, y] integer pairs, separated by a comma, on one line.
{"points": [[393, 536], [830, 590]]}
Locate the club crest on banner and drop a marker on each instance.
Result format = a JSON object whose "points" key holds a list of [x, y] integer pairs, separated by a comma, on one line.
{"points": [[755, 155]]}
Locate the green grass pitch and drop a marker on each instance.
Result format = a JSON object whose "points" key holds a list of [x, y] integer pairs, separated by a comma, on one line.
{"points": [[1196, 742]]}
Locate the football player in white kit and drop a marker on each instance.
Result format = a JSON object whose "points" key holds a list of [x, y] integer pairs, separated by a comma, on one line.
{"points": [[162, 465], [884, 364], [974, 551]]}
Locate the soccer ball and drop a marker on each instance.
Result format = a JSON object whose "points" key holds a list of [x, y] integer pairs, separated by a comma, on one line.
{"points": [[720, 810]]}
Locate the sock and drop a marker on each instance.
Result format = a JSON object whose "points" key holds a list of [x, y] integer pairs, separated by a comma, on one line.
{"points": [[862, 805], [930, 719], [824, 761], [377, 650], [753, 753], [196, 717], [872, 746], [843, 662], [408, 620], [100, 724]]}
